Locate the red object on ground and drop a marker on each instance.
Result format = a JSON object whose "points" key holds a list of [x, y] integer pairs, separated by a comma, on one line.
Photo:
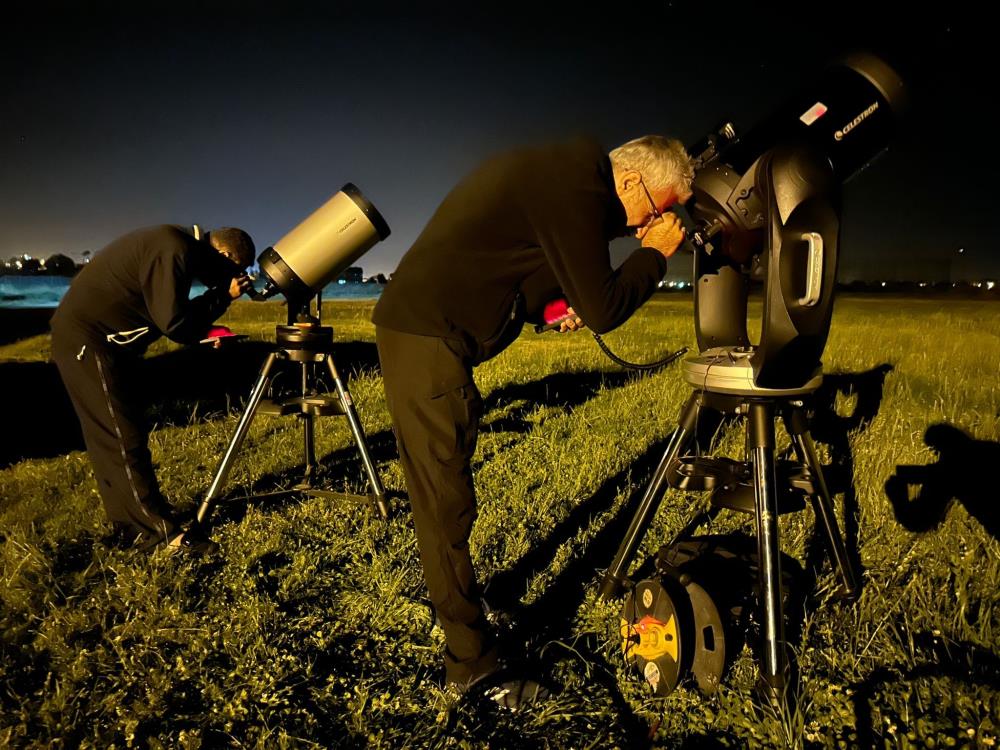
{"points": [[218, 332], [556, 309]]}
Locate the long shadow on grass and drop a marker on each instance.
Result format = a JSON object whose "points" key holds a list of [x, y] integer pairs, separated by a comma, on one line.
{"points": [[195, 384], [965, 663], [18, 323], [551, 616], [834, 428], [273, 491], [563, 390], [506, 410], [962, 472]]}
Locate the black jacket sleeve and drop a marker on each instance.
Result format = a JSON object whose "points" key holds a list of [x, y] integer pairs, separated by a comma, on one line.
{"points": [[570, 227], [165, 289]]}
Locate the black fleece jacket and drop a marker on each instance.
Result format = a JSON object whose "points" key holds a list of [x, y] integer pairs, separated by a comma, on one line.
{"points": [[522, 229], [143, 281]]}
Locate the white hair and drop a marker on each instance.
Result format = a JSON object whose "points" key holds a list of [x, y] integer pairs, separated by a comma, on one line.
{"points": [[662, 162]]}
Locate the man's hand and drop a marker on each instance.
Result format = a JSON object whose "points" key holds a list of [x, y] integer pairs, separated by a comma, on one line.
{"points": [[239, 285], [572, 322], [216, 335], [665, 234]]}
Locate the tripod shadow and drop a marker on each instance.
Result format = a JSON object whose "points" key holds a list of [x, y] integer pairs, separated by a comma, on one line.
{"points": [[551, 616], [865, 390], [957, 475], [185, 386], [962, 662], [563, 390]]}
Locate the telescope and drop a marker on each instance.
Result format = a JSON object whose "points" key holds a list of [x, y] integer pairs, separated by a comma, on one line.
{"points": [[767, 204], [322, 246], [299, 266], [769, 201]]}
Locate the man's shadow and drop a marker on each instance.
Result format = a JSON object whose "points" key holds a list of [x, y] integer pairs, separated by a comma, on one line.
{"points": [[185, 386], [922, 495]]}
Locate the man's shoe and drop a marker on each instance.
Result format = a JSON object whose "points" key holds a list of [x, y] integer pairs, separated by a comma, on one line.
{"points": [[507, 688], [514, 693]]}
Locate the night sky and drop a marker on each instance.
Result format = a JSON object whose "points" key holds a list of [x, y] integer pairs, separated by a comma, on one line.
{"points": [[118, 117]]}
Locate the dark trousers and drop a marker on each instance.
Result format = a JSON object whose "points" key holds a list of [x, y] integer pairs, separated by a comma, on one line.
{"points": [[435, 409], [104, 389]]}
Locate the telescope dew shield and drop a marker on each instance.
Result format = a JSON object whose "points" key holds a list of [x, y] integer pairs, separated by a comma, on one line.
{"points": [[325, 244]]}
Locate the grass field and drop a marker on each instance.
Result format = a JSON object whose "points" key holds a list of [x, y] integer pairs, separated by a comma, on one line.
{"points": [[310, 629]]}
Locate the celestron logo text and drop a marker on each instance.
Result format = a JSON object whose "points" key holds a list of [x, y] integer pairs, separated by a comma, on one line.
{"points": [[839, 135]]}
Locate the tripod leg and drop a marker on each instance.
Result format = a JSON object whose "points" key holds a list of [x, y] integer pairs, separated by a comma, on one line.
{"points": [[611, 585], [805, 450], [378, 491], [237, 440], [760, 434], [308, 433]]}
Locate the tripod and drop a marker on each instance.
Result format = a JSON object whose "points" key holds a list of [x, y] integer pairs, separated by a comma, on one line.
{"points": [[787, 212], [309, 344], [759, 484]]}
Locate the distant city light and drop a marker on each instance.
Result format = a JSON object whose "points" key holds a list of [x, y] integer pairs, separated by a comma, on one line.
{"points": [[883, 283], [341, 281], [990, 284], [961, 250]]}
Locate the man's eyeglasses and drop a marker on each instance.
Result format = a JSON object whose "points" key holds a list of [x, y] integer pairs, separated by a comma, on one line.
{"points": [[655, 212]]}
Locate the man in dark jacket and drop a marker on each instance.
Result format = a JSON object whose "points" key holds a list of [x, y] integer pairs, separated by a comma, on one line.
{"points": [[522, 230], [132, 292]]}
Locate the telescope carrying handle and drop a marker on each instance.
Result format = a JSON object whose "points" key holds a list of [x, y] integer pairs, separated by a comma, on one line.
{"points": [[814, 269]]}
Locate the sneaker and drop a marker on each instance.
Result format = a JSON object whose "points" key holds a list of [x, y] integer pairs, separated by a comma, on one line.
{"points": [[508, 689], [514, 693]]}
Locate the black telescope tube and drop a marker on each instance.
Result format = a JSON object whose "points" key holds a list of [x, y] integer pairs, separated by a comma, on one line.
{"points": [[850, 114]]}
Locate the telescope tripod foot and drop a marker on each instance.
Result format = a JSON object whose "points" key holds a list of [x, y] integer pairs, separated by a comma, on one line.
{"points": [[778, 694]]}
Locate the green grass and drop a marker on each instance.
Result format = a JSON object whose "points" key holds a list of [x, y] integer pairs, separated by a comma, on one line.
{"points": [[310, 630]]}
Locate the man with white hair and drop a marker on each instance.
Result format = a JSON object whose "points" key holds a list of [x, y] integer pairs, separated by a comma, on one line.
{"points": [[523, 229]]}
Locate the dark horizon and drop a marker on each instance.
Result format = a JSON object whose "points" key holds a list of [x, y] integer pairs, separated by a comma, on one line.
{"points": [[251, 116]]}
